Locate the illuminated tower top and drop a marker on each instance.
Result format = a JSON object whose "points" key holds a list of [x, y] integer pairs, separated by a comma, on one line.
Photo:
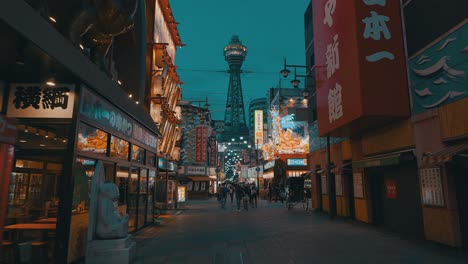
{"points": [[235, 52]]}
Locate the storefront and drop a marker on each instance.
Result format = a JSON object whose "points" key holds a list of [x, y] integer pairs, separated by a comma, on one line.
{"points": [[167, 184], [392, 181], [296, 166]]}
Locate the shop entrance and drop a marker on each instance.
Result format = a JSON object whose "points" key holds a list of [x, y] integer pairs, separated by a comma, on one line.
{"points": [[348, 175], [396, 203], [461, 183]]}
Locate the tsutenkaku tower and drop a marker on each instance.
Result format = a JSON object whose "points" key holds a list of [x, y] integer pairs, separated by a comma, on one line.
{"points": [[234, 117]]}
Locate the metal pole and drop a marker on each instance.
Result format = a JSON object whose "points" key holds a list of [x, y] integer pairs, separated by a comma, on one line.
{"points": [[331, 182]]}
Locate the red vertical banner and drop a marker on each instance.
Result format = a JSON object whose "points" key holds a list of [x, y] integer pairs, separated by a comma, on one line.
{"points": [[198, 144], [391, 188]]}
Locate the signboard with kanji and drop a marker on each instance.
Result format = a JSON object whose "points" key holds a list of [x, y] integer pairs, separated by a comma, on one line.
{"points": [[258, 128], [36, 100], [431, 187], [201, 144], [360, 64]]}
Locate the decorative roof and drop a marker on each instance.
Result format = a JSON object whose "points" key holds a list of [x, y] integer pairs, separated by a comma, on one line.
{"points": [[171, 23]]}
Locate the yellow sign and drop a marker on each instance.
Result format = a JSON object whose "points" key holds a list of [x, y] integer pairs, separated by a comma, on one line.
{"points": [[258, 128], [181, 190]]}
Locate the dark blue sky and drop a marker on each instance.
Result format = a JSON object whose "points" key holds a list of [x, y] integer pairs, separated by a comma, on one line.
{"points": [[271, 30]]}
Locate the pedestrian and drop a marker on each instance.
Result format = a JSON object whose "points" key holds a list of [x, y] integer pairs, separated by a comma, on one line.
{"points": [[231, 192], [224, 192], [253, 194], [239, 194]]}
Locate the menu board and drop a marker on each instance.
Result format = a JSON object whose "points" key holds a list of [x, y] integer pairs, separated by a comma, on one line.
{"points": [[119, 148], [324, 184], [338, 184], [358, 185], [431, 186]]}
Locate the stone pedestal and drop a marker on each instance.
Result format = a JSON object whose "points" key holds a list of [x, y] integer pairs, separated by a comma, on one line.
{"points": [[115, 251]]}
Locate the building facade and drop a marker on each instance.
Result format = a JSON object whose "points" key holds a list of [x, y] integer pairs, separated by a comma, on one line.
{"points": [[403, 172]]}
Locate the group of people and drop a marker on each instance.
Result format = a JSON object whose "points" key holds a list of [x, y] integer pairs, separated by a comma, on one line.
{"points": [[276, 192], [245, 194]]}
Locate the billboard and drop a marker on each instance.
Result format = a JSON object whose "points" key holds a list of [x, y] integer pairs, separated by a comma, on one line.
{"points": [[201, 143], [258, 128], [438, 73], [360, 64], [288, 135]]}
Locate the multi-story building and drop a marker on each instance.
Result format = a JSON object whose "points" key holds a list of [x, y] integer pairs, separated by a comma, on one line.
{"points": [[163, 92], [77, 94], [402, 164]]}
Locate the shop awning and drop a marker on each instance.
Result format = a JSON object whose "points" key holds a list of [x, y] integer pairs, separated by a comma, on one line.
{"points": [[393, 158], [443, 155], [200, 178]]}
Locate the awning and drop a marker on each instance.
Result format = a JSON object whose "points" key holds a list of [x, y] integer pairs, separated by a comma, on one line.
{"points": [[200, 178], [444, 155], [393, 158]]}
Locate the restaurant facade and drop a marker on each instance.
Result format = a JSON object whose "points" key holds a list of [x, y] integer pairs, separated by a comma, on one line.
{"points": [[64, 112]]}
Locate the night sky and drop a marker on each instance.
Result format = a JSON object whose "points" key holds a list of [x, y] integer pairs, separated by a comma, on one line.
{"points": [[271, 30]]}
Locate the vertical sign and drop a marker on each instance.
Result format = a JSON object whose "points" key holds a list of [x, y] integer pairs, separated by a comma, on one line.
{"points": [[360, 62], [431, 187], [198, 143], [213, 151], [390, 188], [258, 128], [204, 143], [358, 187]]}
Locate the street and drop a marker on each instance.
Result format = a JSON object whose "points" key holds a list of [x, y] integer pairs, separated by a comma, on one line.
{"points": [[272, 234]]}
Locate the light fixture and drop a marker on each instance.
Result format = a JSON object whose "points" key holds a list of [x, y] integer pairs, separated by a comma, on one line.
{"points": [[130, 95], [42, 145], [137, 102], [119, 82], [22, 141], [37, 132], [245, 142], [295, 83], [81, 46], [52, 19], [232, 139], [50, 81], [26, 130], [241, 138], [64, 141], [285, 72]]}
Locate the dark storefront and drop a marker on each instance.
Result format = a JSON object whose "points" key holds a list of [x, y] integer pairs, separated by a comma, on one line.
{"points": [[166, 185], [394, 193]]}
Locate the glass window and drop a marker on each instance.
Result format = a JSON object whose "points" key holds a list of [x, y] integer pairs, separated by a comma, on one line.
{"points": [[83, 174], [150, 158], [132, 205], [143, 197], [151, 190], [122, 182], [119, 148], [138, 154], [29, 164], [91, 139]]}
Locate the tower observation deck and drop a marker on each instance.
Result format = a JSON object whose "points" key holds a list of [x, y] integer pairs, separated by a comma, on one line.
{"points": [[234, 117]]}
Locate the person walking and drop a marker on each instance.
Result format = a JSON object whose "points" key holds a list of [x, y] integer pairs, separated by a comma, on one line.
{"points": [[253, 195], [239, 195], [223, 193], [231, 192]]}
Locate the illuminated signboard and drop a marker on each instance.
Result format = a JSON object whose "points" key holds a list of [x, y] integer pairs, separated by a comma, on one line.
{"points": [[161, 163], [269, 165], [297, 162], [258, 128]]}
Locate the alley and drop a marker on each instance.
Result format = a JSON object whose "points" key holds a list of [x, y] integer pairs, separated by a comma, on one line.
{"points": [[272, 234]]}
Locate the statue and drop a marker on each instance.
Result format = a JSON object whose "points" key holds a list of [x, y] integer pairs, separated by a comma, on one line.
{"points": [[100, 23], [110, 224]]}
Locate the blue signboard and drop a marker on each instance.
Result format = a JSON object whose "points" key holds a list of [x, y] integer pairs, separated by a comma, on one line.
{"points": [[438, 74], [162, 164], [297, 162]]}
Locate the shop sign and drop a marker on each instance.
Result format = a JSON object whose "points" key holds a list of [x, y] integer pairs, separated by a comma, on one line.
{"points": [[391, 188], [97, 109], [194, 170], [7, 130], [201, 143], [360, 62], [358, 187], [171, 166], [258, 128], [162, 163], [213, 152], [181, 190], [269, 165], [142, 135], [35, 100], [431, 187], [297, 162]]}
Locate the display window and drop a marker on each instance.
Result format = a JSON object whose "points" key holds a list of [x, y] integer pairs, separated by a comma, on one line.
{"points": [[150, 159], [119, 148], [138, 154], [91, 139]]}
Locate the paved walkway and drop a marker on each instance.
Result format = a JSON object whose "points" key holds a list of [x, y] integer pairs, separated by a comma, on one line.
{"points": [[272, 234]]}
